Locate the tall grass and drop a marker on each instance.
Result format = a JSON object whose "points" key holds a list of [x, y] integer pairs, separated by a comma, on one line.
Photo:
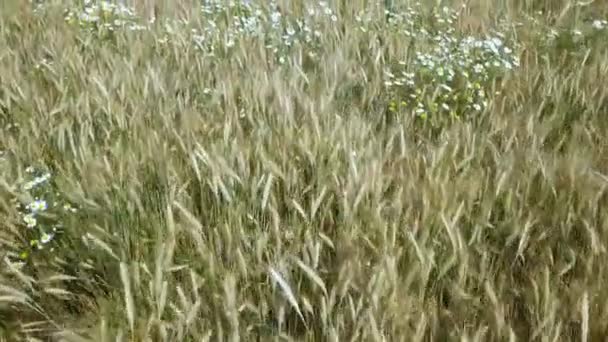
{"points": [[308, 171]]}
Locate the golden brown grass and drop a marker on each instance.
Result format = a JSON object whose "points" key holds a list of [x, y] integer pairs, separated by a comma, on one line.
{"points": [[289, 204]]}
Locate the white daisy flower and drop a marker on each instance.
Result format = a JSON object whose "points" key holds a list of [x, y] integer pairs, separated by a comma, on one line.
{"points": [[599, 24], [46, 238], [30, 220], [37, 206]]}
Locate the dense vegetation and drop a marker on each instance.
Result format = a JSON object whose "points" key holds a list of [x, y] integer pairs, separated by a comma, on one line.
{"points": [[320, 171]]}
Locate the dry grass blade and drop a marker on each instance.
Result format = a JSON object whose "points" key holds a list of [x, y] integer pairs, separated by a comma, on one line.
{"points": [[585, 318], [311, 274], [104, 246], [287, 291], [267, 188], [70, 336], [13, 295], [128, 295], [12, 299], [317, 203], [58, 292], [299, 209]]}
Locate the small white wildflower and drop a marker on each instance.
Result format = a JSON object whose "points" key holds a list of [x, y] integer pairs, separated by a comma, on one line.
{"points": [[88, 18], [421, 112], [136, 27], [451, 74], [68, 207], [599, 24], [496, 42], [37, 206], [28, 186], [30, 220], [275, 17], [45, 177], [46, 238], [515, 62]]}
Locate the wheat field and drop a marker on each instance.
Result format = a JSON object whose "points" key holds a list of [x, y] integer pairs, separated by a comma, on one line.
{"points": [[304, 171]]}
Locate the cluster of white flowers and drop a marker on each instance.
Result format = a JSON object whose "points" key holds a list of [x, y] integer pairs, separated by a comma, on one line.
{"points": [[104, 14], [42, 230], [599, 24], [248, 20], [571, 37], [223, 24], [443, 60], [37, 180], [449, 73]]}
